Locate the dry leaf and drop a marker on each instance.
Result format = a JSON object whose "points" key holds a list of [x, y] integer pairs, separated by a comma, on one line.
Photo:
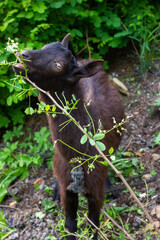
{"points": [[39, 181]]}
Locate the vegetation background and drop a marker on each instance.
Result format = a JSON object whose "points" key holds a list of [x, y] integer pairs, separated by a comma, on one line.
{"points": [[96, 27]]}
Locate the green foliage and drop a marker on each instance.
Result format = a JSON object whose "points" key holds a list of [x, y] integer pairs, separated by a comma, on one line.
{"points": [[17, 156], [157, 139], [156, 102], [7, 176], [5, 230], [146, 33], [49, 21], [126, 163], [48, 205]]}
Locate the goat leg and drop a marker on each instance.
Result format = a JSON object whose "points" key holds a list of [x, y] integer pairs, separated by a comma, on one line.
{"points": [[94, 206], [70, 204]]}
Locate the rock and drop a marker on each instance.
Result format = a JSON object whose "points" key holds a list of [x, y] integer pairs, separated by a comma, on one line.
{"points": [[136, 221], [39, 181], [158, 211], [12, 204], [155, 157], [120, 86], [147, 176], [153, 212]]}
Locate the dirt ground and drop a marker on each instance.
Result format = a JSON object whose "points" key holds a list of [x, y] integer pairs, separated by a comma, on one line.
{"points": [[141, 129]]}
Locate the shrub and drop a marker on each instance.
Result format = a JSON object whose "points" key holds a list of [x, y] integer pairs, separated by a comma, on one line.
{"points": [[34, 23]]}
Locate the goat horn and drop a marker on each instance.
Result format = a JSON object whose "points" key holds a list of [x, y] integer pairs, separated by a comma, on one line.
{"points": [[65, 40]]}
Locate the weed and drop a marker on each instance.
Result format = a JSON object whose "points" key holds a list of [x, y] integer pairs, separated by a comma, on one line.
{"points": [[156, 103], [157, 139], [5, 230], [146, 33], [17, 156]]}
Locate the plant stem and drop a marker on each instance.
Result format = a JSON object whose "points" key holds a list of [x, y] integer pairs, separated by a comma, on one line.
{"points": [[117, 225], [98, 229]]}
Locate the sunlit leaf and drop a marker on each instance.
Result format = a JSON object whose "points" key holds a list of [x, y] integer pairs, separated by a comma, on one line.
{"points": [[83, 139], [101, 146]]}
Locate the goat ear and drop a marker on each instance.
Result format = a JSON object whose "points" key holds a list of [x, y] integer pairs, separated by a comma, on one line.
{"points": [[65, 40], [87, 70]]}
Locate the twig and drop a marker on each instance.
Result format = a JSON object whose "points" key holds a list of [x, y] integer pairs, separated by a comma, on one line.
{"points": [[81, 50], [89, 51], [72, 234], [117, 225], [150, 153], [129, 140], [98, 229], [14, 184], [100, 152], [5, 206]]}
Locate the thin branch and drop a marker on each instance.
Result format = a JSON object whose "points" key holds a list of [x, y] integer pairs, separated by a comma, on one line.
{"points": [[89, 51], [98, 229], [117, 225], [76, 235], [5, 206], [101, 154], [81, 50]]}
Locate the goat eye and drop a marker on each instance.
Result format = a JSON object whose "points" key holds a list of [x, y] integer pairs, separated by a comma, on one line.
{"points": [[59, 66]]}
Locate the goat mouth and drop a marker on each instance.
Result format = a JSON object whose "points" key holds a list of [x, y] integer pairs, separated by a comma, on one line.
{"points": [[21, 67]]}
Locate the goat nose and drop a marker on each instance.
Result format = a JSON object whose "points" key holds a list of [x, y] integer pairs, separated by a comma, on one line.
{"points": [[25, 55]]}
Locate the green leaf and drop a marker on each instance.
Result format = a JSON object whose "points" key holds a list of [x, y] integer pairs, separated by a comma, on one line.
{"points": [[3, 192], [47, 107], [104, 163], [39, 7], [99, 136], [111, 151], [29, 15], [9, 101], [156, 102], [40, 215], [121, 34], [92, 142], [83, 139], [4, 122], [53, 108], [48, 205], [101, 146], [157, 139], [57, 4], [6, 23], [29, 111], [90, 134]]}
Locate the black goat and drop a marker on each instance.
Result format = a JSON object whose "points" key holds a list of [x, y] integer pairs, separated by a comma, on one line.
{"points": [[54, 68]]}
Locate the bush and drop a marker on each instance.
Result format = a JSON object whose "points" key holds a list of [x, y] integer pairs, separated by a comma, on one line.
{"points": [[33, 23]]}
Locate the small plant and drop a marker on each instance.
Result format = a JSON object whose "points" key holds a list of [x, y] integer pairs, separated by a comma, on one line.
{"points": [[146, 33], [156, 103], [125, 162], [17, 157], [5, 230], [157, 139], [48, 205]]}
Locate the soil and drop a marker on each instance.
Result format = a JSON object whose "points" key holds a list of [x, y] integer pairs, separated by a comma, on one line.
{"points": [[138, 139]]}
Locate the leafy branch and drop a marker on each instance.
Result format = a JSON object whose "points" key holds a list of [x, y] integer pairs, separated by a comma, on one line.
{"points": [[118, 173]]}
